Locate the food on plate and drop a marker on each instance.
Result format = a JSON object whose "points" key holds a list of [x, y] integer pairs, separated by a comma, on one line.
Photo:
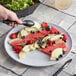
{"points": [[46, 39], [13, 36]]}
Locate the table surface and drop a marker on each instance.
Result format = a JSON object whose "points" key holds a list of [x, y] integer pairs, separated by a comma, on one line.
{"points": [[9, 67]]}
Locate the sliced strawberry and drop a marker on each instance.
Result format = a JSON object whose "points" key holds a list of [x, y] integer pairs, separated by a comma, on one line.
{"points": [[17, 48], [50, 43], [64, 37], [13, 36], [17, 51], [30, 42], [44, 24]]}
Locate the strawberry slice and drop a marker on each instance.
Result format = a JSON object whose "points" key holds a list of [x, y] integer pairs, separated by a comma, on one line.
{"points": [[64, 37], [44, 24], [50, 43], [13, 36], [30, 42], [17, 48]]}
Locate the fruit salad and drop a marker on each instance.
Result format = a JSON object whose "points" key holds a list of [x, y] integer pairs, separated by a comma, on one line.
{"points": [[46, 39]]}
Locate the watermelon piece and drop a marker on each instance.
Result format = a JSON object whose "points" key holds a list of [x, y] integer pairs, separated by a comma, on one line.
{"points": [[29, 37], [54, 31], [34, 37], [38, 35], [53, 47], [46, 51], [15, 42], [45, 32]]}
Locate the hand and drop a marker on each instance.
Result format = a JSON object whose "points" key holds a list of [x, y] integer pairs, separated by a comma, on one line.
{"points": [[13, 17], [7, 14]]}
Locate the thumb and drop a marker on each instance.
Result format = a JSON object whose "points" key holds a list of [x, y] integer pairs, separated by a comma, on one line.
{"points": [[18, 21]]}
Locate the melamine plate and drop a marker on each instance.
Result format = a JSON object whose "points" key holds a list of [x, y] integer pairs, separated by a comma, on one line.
{"points": [[36, 58]]}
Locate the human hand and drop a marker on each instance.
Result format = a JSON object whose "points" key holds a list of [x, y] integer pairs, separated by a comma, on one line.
{"points": [[13, 17], [7, 14]]}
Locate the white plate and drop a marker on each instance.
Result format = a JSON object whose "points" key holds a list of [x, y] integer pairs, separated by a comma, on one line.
{"points": [[36, 58]]}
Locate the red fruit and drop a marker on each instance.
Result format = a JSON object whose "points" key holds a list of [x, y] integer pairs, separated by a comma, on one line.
{"points": [[64, 37], [51, 32], [30, 42], [17, 51], [50, 43], [13, 36], [17, 48], [44, 24]]}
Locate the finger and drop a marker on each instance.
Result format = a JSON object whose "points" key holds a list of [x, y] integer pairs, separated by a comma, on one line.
{"points": [[10, 24], [18, 21], [5, 18], [15, 25]]}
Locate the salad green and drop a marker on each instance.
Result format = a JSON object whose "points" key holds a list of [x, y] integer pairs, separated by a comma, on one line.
{"points": [[17, 4]]}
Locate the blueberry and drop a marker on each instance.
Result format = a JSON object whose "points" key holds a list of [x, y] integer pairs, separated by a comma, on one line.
{"points": [[55, 32], [57, 59], [50, 50], [48, 39], [30, 31], [63, 52], [64, 40], [42, 28], [22, 37], [61, 38], [40, 44], [17, 33], [58, 32], [60, 56], [33, 32], [43, 42], [40, 39], [47, 34], [53, 42], [47, 28], [46, 46], [38, 30]]}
